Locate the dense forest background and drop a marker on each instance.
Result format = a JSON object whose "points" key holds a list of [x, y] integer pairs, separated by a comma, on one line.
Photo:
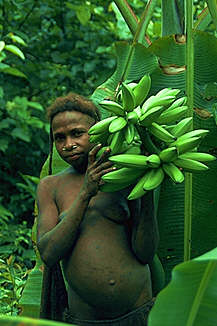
{"points": [[65, 46]]}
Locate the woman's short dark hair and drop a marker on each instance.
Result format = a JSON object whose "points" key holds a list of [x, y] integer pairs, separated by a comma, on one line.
{"points": [[73, 102]]}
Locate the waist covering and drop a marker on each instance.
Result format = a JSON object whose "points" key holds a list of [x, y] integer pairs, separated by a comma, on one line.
{"points": [[137, 317]]}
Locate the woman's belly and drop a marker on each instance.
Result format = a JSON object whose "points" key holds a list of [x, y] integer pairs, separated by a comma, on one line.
{"points": [[104, 272]]}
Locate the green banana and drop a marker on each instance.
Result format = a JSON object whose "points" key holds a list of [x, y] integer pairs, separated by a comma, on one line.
{"points": [[153, 101], [113, 107], [197, 156], [188, 144], [132, 85], [117, 124], [194, 133], [134, 148], [173, 172], [190, 165], [168, 154], [142, 89], [182, 127], [179, 102], [129, 133], [169, 116], [132, 117], [169, 127], [101, 126], [138, 190], [128, 98], [122, 175], [160, 133], [153, 161], [99, 138], [168, 92], [116, 142], [154, 178], [150, 116], [130, 160]]}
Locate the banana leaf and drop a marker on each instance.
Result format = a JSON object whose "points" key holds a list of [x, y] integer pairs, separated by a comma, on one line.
{"points": [[24, 321], [190, 299], [29, 304], [143, 62], [212, 5], [171, 208], [172, 22]]}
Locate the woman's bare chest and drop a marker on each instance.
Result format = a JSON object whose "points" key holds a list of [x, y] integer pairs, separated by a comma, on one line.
{"points": [[112, 206]]}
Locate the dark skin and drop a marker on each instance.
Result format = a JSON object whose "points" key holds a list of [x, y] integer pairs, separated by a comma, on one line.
{"points": [[104, 241]]}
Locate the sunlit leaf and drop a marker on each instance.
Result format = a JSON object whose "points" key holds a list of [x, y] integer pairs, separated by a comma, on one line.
{"points": [[190, 298], [17, 39], [83, 13], [14, 72], [2, 45], [25, 321], [3, 66], [36, 106], [15, 50]]}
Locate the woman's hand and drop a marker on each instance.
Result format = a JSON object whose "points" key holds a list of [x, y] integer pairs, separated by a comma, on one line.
{"points": [[96, 168]]}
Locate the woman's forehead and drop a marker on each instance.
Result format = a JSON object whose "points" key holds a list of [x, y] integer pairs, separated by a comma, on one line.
{"points": [[74, 118]]}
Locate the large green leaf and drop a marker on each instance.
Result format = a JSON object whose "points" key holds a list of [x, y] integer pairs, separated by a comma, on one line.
{"points": [[190, 299], [171, 208], [24, 321], [57, 164], [171, 70], [171, 18], [212, 5], [204, 223], [143, 62], [31, 298], [165, 61]]}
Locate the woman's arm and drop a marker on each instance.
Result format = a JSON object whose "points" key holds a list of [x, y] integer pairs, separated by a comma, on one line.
{"points": [[145, 235]]}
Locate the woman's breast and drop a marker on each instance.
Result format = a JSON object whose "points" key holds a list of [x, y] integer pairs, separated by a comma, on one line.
{"points": [[102, 268]]}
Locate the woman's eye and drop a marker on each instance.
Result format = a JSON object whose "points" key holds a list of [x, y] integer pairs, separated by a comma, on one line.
{"points": [[78, 133], [59, 137]]}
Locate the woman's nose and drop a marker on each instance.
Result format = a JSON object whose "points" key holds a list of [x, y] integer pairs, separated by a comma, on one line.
{"points": [[70, 144]]}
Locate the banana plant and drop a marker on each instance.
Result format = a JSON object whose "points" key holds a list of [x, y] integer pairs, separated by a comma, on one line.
{"points": [[165, 61]]}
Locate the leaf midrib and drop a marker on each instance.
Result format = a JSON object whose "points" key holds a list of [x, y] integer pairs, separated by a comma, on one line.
{"points": [[210, 268]]}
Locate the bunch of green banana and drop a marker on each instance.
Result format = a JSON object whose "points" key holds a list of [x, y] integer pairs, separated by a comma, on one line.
{"points": [[163, 117], [155, 167], [163, 98], [150, 180]]}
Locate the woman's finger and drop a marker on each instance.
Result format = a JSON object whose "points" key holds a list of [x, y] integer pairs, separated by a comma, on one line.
{"points": [[92, 153], [104, 165]]}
